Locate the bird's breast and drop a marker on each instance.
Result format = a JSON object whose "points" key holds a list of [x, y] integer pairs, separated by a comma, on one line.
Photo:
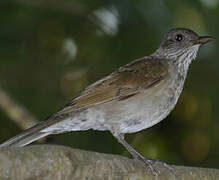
{"points": [[146, 108]]}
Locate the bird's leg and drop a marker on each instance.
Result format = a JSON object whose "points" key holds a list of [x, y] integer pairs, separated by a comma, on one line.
{"points": [[135, 153], [139, 156]]}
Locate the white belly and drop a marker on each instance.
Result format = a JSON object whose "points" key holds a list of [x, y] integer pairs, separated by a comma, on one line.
{"points": [[142, 111]]}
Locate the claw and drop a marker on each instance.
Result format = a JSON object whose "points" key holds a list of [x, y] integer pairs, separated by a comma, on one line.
{"points": [[149, 163], [163, 164]]}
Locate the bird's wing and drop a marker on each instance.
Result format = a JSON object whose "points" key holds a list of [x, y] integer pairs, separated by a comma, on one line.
{"points": [[120, 85]]}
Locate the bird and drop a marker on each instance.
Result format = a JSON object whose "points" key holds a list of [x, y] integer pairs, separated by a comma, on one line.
{"points": [[135, 97]]}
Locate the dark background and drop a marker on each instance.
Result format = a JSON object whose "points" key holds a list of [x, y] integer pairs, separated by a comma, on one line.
{"points": [[50, 50]]}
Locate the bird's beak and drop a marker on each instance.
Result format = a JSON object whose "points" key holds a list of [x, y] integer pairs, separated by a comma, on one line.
{"points": [[203, 40]]}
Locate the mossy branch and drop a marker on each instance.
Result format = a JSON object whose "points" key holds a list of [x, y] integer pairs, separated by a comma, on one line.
{"points": [[58, 162]]}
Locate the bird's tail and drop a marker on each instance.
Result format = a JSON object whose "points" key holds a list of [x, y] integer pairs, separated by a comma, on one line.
{"points": [[28, 136]]}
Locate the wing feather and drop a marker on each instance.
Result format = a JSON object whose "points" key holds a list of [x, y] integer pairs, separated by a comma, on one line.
{"points": [[122, 84]]}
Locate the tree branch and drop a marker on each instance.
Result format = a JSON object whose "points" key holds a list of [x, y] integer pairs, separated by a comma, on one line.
{"points": [[58, 162], [16, 112]]}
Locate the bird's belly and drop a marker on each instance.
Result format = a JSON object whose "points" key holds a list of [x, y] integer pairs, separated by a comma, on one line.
{"points": [[141, 111]]}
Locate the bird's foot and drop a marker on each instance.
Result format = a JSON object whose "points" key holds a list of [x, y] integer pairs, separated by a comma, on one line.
{"points": [[156, 161], [150, 162]]}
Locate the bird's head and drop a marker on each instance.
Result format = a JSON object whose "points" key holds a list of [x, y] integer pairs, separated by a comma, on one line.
{"points": [[182, 42]]}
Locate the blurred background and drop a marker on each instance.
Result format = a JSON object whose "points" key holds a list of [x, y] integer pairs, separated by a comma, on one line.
{"points": [[50, 50]]}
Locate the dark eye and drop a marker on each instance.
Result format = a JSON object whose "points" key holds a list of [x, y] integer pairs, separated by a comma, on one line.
{"points": [[179, 37]]}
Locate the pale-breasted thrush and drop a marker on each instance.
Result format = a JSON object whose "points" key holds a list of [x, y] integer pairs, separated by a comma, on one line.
{"points": [[134, 97]]}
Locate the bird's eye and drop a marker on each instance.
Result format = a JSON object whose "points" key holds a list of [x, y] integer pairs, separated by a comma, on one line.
{"points": [[179, 37]]}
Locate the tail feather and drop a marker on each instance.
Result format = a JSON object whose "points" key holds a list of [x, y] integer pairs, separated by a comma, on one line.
{"points": [[28, 136], [19, 141]]}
